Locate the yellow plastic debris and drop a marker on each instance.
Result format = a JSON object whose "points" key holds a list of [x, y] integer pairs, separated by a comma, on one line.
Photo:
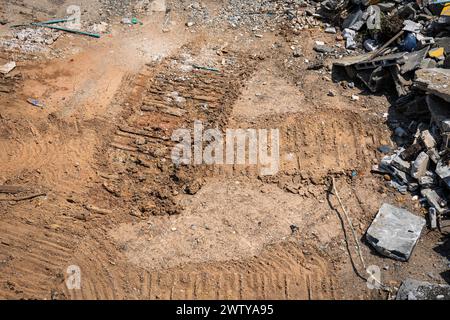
{"points": [[446, 10], [436, 53]]}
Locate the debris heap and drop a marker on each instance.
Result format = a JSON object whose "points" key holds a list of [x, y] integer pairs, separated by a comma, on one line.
{"points": [[398, 39], [407, 46], [422, 163]]}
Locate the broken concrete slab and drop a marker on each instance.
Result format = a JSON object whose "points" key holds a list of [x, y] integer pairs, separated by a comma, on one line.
{"points": [[424, 41], [435, 81], [384, 61], [402, 178], [411, 289], [353, 19], [413, 60], [351, 60], [394, 232]]}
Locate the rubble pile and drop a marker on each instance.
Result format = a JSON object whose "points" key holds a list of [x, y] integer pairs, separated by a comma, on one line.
{"points": [[296, 14], [30, 40], [421, 290], [407, 46], [422, 163], [260, 15], [399, 38]]}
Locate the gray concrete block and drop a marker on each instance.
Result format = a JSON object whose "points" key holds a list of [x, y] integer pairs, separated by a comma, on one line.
{"points": [[420, 165], [435, 199], [394, 232], [401, 164], [427, 139]]}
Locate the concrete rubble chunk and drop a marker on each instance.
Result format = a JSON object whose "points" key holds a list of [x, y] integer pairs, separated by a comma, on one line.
{"points": [[8, 67], [401, 164], [411, 289], [331, 30], [435, 199], [435, 81], [427, 181], [353, 20], [394, 232], [427, 139], [420, 165], [433, 154], [413, 60], [443, 172], [349, 36], [411, 26], [401, 178], [323, 48]]}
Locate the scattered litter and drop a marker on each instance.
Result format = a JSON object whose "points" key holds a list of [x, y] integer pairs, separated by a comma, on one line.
{"points": [[35, 103], [131, 21], [205, 68], [331, 30]]}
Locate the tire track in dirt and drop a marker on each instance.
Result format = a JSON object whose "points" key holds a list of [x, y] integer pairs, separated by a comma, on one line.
{"points": [[170, 100], [61, 162], [32, 259], [281, 272], [314, 143]]}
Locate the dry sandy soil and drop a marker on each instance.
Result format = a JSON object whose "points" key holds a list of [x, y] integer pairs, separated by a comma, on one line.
{"points": [[107, 198]]}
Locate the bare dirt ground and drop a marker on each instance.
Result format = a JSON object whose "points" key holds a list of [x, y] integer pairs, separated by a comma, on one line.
{"points": [[112, 203]]}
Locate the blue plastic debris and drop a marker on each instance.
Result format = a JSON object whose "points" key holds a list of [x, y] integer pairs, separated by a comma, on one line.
{"points": [[409, 42]]}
